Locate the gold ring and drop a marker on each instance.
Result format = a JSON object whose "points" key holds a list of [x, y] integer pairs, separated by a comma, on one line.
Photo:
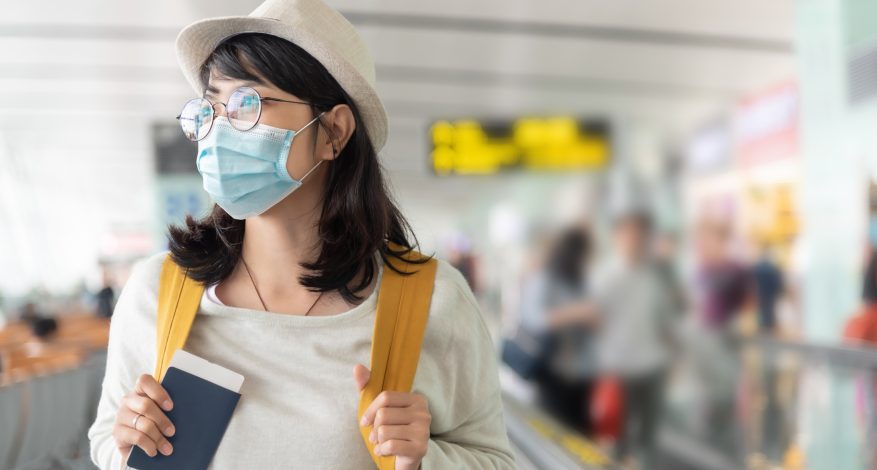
{"points": [[135, 420]]}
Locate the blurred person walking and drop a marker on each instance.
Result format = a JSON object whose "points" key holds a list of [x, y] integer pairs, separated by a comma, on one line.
{"points": [[636, 336], [550, 303], [721, 288], [106, 297], [861, 331], [43, 326], [721, 281], [290, 263], [861, 328], [768, 286]]}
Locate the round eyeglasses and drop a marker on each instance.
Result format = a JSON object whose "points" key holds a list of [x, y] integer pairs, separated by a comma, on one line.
{"points": [[244, 108]]}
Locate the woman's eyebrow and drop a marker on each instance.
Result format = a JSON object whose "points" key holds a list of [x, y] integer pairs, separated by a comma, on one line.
{"points": [[213, 91]]}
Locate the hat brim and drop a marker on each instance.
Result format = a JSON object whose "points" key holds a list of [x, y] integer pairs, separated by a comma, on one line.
{"points": [[197, 41]]}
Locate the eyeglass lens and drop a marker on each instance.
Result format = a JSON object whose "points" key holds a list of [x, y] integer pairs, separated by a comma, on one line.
{"points": [[243, 110]]}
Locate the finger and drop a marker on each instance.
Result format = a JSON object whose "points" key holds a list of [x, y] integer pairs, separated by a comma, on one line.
{"points": [[386, 399], [143, 424], [404, 432], [390, 416], [361, 374], [130, 436], [148, 427], [146, 385], [122, 446], [399, 448], [148, 408]]}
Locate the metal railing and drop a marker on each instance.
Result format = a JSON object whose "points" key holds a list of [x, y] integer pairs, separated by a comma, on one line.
{"points": [[857, 357]]}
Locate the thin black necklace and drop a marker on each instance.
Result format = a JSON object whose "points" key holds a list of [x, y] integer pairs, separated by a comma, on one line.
{"points": [[247, 268]]}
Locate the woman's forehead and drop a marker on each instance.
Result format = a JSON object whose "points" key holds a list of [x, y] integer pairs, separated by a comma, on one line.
{"points": [[218, 79], [225, 76], [219, 83]]}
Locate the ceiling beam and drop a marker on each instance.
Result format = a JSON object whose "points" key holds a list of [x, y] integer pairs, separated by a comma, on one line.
{"points": [[436, 23]]}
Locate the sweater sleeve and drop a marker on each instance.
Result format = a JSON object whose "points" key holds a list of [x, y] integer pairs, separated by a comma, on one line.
{"points": [[130, 353], [468, 428]]}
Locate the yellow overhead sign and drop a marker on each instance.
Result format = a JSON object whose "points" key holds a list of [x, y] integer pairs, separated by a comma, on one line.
{"points": [[542, 144]]}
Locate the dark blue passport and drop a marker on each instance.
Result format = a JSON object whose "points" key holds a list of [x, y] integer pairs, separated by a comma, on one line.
{"points": [[200, 415]]}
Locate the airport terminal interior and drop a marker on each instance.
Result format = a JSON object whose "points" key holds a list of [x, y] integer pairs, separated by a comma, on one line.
{"points": [[666, 211]]}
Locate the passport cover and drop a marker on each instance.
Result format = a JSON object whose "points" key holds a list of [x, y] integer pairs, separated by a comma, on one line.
{"points": [[200, 415]]}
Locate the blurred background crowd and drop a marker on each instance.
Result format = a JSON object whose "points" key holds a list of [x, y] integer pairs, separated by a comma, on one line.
{"points": [[666, 208]]}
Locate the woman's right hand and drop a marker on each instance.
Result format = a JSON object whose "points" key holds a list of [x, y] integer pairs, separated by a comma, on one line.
{"points": [[152, 427]]}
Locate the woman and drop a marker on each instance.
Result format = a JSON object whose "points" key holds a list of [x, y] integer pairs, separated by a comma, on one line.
{"points": [[292, 257], [553, 308]]}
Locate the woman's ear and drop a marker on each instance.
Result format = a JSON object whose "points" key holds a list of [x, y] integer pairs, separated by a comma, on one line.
{"points": [[338, 125]]}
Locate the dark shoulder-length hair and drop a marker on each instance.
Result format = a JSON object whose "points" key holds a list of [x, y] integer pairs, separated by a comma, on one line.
{"points": [[568, 256], [358, 217]]}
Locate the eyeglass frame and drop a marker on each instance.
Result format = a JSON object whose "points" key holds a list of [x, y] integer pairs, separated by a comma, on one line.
{"points": [[225, 105]]}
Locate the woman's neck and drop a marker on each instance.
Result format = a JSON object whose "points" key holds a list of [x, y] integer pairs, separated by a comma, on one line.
{"points": [[278, 241], [275, 245]]}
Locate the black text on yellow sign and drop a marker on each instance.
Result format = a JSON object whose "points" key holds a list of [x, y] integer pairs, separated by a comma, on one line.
{"points": [[541, 144]]}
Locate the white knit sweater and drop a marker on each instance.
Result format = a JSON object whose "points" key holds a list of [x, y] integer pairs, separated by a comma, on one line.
{"points": [[299, 399]]}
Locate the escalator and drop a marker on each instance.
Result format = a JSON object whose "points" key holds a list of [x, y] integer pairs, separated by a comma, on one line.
{"points": [[776, 404], [540, 442], [758, 403]]}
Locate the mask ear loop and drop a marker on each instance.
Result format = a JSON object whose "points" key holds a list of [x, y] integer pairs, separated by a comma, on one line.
{"points": [[302, 179], [311, 122]]}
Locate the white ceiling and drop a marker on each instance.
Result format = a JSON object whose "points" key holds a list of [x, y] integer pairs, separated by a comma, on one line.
{"points": [[670, 62], [81, 82]]}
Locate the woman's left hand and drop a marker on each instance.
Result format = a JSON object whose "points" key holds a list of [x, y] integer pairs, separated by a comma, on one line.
{"points": [[400, 423]]}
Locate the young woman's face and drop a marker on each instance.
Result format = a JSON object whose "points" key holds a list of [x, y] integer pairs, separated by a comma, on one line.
{"points": [[303, 154]]}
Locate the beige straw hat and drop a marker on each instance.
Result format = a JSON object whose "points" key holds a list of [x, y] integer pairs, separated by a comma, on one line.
{"points": [[310, 24]]}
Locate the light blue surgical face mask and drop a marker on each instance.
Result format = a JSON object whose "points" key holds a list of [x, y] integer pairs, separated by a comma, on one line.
{"points": [[245, 171]]}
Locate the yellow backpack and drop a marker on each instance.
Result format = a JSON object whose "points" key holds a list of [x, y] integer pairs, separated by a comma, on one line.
{"points": [[402, 312]]}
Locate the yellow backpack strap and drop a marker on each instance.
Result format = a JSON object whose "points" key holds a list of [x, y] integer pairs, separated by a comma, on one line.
{"points": [[402, 312], [178, 301]]}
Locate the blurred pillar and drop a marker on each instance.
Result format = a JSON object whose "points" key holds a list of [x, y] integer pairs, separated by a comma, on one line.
{"points": [[838, 119], [833, 191]]}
